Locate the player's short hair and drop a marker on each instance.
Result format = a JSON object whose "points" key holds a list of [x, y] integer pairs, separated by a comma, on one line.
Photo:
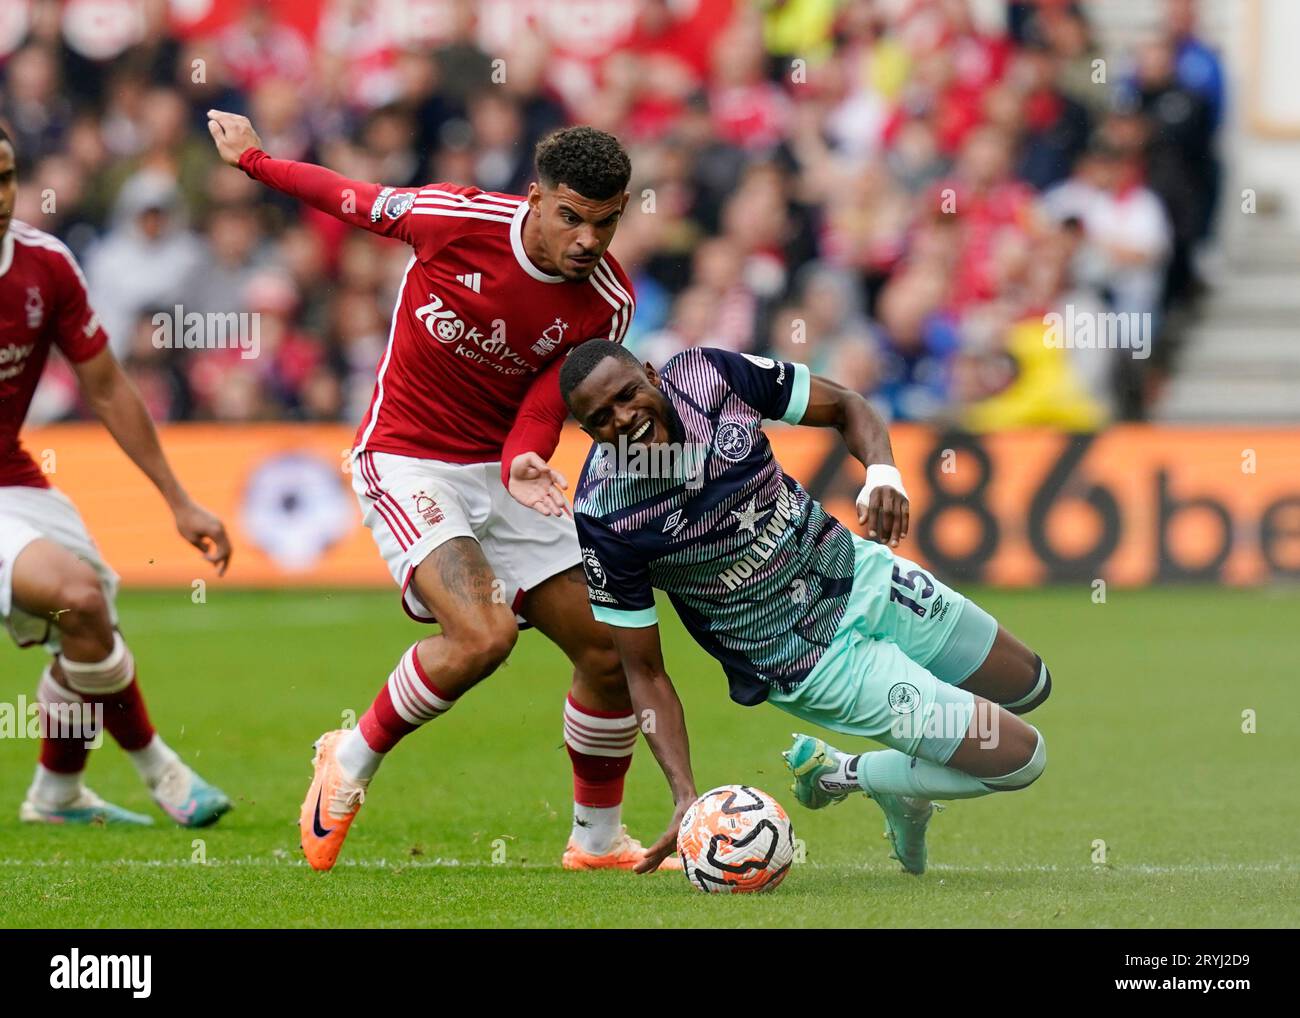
{"points": [[591, 162], [583, 360]]}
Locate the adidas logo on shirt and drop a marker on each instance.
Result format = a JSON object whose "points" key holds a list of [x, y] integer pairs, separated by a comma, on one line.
{"points": [[471, 279]]}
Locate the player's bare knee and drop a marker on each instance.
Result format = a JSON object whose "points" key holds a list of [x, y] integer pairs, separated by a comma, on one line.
{"points": [[484, 648], [602, 667], [1038, 687], [83, 608]]}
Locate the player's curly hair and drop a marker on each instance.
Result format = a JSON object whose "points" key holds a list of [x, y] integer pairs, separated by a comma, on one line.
{"points": [[591, 162], [583, 359]]}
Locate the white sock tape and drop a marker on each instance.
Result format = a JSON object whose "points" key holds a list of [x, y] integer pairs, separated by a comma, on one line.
{"points": [[48, 690], [1024, 776], [99, 678]]}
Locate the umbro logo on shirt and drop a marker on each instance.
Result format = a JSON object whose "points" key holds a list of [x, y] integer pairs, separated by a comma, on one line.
{"points": [[471, 279], [675, 523]]}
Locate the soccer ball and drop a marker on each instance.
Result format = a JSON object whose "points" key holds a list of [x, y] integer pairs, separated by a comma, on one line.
{"points": [[735, 839]]}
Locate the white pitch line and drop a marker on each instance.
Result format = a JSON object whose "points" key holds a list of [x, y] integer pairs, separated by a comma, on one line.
{"points": [[441, 863], [1143, 868], [378, 864]]}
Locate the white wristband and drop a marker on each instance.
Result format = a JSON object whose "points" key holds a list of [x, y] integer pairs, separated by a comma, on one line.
{"points": [[878, 474]]}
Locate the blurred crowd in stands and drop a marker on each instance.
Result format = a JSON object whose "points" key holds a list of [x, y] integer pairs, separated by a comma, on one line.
{"points": [[892, 191]]}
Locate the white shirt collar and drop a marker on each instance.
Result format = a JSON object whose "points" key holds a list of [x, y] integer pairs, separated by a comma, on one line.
{"points": [[7, 249], [517, 245]]}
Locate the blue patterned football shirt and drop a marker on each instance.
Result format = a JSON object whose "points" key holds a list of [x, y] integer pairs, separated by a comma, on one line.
{"points": [[758, 571]]}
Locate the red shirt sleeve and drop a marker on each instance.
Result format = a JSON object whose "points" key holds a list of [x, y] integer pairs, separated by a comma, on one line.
{"points": [[388, 211], [542, 413], [77, 330], [539, 422], [616, 287]]}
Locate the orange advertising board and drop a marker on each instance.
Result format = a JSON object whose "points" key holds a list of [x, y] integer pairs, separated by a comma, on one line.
{"points": [[1132, 505]]}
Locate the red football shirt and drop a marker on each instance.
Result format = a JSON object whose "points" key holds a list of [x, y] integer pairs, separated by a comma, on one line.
{"points": [[42, 304], [475, 320]]}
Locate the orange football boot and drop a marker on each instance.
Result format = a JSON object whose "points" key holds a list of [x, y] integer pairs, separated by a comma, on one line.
{"points": [[625, 854], [332, 803]]}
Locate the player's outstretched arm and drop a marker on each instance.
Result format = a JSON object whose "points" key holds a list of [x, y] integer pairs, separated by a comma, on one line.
{"points": [[882, 504], [532, 440], [655, 703], [356, 202], [116, 402]]}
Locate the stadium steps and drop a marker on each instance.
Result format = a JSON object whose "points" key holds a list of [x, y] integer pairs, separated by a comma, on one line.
{"points": [[1119, 22], [1192, 399], [1240, 361]]}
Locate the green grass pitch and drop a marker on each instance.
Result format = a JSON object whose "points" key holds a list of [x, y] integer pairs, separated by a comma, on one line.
{"points": [[1146, 753]]}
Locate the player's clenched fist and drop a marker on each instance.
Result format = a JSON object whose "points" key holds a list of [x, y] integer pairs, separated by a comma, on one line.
{"points": [[233, 134], [882, 505]]}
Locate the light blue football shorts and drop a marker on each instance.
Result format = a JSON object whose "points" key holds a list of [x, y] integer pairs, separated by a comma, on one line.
{"points": [[894, 668]]}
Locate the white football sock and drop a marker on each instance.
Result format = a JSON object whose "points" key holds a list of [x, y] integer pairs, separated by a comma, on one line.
{"points": [[153, 760], [54, 790], [596, 827], [356, 757]]}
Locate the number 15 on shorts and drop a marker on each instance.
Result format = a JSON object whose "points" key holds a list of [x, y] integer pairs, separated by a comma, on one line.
{"points": [[908, 582]]}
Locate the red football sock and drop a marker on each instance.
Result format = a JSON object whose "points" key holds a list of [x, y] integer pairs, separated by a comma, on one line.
{"points": [[66, 754], [126, 717], [409, 699], [112, 684], [600, 744]]}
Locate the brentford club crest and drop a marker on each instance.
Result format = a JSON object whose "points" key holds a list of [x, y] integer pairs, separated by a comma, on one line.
{"points": [[551, 338], [733, 441], [904, 698]]}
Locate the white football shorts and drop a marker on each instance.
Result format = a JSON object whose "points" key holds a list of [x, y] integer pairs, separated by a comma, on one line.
{"points": [[27, 514], [411, 506]]}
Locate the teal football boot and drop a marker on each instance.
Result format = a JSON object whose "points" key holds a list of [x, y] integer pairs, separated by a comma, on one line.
{"points": [[809, 759], [87, 808], [905, 823], [187, 798], [906, 819]]}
